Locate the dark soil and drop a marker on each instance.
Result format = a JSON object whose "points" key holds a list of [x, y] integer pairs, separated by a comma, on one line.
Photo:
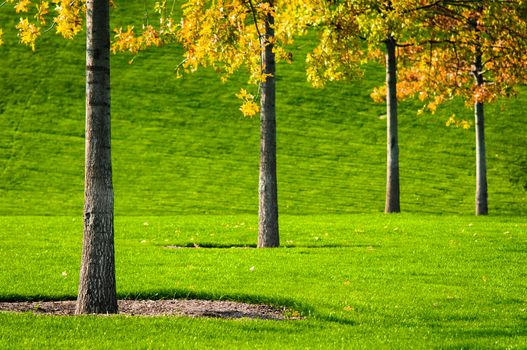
{"points": [[189, 308]]}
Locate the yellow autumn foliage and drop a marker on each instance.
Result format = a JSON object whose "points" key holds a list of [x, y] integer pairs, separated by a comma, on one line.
{"points": [[27, 32]]}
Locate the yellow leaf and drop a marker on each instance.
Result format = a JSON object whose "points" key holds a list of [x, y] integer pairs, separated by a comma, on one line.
{"points": [[27, 32], [42, 10], [244, 95], [264, 76], [451, 120], [379, 94], [249, 108], [23, 6]]}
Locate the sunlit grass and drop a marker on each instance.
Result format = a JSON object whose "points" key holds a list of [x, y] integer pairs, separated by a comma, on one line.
{"points": [[363, 280], [185, 175]]}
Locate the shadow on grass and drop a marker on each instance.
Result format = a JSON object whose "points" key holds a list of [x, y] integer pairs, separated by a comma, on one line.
{"points": [[292, 307], [206, 245], [494, 333], [19, 297], [332, 245], [472, 338], [210, 245]]}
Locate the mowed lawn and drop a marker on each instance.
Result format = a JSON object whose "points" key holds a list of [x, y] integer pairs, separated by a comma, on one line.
{"points": [[361, 281], [185, 172]]}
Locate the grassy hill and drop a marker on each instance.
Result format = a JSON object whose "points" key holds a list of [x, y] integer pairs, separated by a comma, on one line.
{"points": [[182, 146]]}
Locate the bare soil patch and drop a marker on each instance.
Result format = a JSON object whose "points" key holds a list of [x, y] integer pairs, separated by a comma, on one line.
{"points": [[189, 308]]}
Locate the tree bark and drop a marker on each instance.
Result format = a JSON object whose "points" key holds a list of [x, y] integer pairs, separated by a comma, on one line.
{"points": [[267, 188], [392, 160], [482, 207], [97, 291]]}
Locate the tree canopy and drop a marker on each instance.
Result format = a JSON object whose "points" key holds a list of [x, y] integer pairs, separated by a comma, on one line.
{"points": [[445, 66], [65, 16]]}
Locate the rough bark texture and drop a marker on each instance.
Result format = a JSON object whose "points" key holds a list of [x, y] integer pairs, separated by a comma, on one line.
{"points": [[97, 292], [267, 189], [481, 164], [392, 159]]}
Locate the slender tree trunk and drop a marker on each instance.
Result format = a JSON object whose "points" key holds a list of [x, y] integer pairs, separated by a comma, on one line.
{"points": [[267, 189], [97, 292], [482, 207], [392, 159]]}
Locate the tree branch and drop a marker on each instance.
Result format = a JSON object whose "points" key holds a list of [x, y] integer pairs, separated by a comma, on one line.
{"points": [[253, 11]]}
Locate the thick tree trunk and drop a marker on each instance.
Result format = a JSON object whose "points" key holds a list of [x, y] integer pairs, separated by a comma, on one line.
{"points": [[97, 292], [267, 188], [482, 207], [392, 159]]}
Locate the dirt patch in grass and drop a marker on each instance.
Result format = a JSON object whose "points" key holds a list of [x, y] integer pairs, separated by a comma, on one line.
{"points": [[189, 308]]}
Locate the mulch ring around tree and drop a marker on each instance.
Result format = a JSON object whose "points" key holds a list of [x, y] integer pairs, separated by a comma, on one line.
{"points": [[189, 308]]}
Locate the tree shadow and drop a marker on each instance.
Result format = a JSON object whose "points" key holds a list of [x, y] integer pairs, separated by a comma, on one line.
{"points": [[36, 297], [209, 245], [472, 338]]}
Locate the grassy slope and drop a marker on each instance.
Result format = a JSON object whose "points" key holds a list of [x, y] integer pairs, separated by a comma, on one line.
{"points": [[181, 146], [366, 281]]}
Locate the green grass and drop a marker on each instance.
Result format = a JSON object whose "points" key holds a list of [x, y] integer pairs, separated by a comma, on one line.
{"points": [[363, 281], [182, 146], [186, 161]]}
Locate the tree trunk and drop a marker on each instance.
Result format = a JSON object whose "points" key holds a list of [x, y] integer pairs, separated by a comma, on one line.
{"points": [[267, 188], [97, 292], [482, 207], [392, 161]]}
